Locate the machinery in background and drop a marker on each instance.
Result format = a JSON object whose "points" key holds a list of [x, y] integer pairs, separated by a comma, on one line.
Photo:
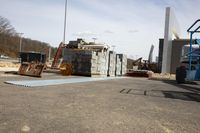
{"points": [[56, 63], [149, 64], [141, 68], [137, 64], [190, 70], [89, 59], [65, 68]]}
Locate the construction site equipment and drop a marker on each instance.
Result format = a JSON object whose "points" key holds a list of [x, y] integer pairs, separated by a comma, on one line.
{"points": [[138, 73], [89, 59], [149, 64], [32, 64], [32, 56], [31, 69], [191, 71], [143, 68], [56, 63], [138, 62], [137, 69], [66, 69]]}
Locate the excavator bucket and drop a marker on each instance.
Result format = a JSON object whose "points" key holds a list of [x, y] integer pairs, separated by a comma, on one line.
{"points": [[31, 69]]}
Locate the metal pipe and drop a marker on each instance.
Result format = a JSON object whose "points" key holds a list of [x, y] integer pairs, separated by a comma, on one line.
{"points": [[20, 42], [20, 45], [197, 29], [190, 56], [49, 53], [193, 25]]}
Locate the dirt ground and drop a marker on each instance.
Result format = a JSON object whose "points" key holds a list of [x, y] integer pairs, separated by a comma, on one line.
{"points": [[9, 65], [130, 105]]}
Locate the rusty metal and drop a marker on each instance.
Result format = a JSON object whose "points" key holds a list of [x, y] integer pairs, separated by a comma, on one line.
{"points": [[66, 69], [138, 73], [31, 69], [58, 54]]}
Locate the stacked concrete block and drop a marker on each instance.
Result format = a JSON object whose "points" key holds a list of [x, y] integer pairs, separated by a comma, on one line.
{"points": [[118, 66], [102, 63], [121, 64], [123, 59], [91, 59], [111, 63], [80, 60], [86, 62]]}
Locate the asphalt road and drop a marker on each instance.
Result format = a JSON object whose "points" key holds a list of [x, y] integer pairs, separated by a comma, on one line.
{"points": [[131, 105]]}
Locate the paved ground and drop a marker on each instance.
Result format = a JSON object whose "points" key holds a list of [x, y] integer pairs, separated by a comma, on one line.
{"points": [[132, 105]]}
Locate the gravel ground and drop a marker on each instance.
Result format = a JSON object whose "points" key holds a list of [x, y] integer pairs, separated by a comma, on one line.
{"points": [[131, 105]]}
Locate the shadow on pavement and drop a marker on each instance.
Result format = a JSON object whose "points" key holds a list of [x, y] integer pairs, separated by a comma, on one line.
{"points": [[187, 96], [11, 72], [190, 86]]}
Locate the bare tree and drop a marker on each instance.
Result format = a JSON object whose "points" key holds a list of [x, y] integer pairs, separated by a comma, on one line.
{"points": [[10, 41], [6, 27]]}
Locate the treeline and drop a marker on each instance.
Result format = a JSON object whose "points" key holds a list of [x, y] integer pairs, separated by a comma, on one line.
{"points": [[10, 42]]}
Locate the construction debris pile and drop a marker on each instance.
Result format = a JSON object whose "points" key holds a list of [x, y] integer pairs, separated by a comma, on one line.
{"points": [[90, 59]]}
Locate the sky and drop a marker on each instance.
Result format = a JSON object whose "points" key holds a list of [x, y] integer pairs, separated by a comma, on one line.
{"points": [[127, 26]]}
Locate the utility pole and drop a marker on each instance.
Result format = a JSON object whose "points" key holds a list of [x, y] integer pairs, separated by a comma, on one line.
{"points": [[20, 45], [49, 53], [65, 21]]}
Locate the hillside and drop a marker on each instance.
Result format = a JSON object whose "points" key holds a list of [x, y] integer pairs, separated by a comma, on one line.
{"points": [[10, 42]]}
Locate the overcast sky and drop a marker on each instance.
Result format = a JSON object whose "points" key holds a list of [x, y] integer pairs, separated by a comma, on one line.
{"points": [[130, 25]]}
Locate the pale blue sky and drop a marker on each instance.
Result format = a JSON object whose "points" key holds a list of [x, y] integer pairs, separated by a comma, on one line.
{"points": [[131, 25]]}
